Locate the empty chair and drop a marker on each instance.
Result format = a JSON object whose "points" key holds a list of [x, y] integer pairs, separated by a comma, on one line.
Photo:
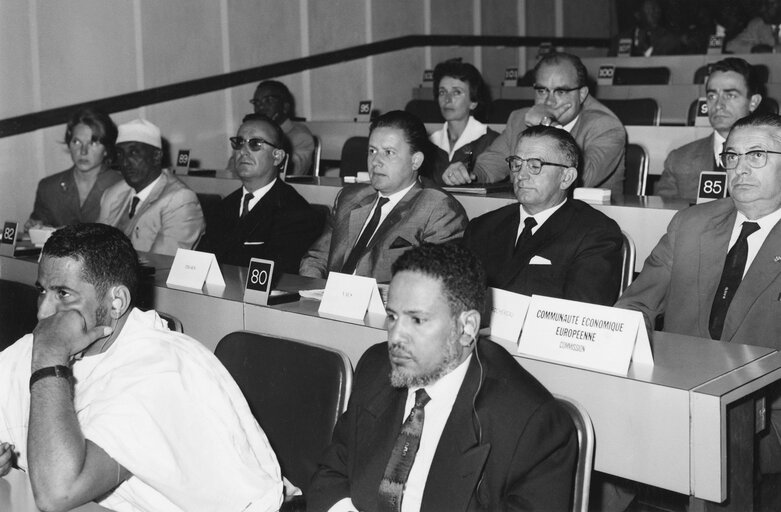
{"points": [[316, 156], [628, 260], [637, 111], [296, 392], [354, 154], [636, 170], [18, 311], [585, 429], [426, 110], [499, 110], [641, 76]]}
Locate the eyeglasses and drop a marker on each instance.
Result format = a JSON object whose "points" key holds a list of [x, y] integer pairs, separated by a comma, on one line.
{"points": [[755, 158], [533, 165], [558, 93], [265, 100], [254, 144]]}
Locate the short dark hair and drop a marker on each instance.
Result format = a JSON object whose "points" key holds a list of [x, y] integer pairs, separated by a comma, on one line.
{"points": [[758, 120], [414, 130], [287, 97], [454, 68], [564, 140], [103, 128], [279, 136], [456, 267], [555, 58], [741, 67], [106, 254]]}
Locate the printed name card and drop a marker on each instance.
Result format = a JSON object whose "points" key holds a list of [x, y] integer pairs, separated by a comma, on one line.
{"points": [[8, 238], [258, 286], [350, 296], [701, 113], [192, 269], [508, 311], [625, 47], [605, 75], [715, 44], [713, 185], [510, 77], [586, 335]]}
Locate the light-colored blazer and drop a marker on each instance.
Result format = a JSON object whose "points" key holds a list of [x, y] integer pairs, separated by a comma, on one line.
{"points": [[170, 218], [682, 168], [424, 214]]}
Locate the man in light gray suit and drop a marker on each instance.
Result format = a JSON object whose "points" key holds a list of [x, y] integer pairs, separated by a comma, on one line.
{"points": [[372, 225], [732, 92], [717, 272]]}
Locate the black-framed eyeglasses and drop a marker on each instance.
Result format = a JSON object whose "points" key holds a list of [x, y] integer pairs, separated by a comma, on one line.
{"points": [[266, 100], [558, 92], [534, 165], [756, 158], [254, 144]]}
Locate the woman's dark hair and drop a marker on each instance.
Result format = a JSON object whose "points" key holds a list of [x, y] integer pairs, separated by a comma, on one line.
{"points": [[103, 128]]}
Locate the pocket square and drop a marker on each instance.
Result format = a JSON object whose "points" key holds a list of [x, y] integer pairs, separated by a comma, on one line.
{"points": [[400, 243], [254, 243], [539, 260]]}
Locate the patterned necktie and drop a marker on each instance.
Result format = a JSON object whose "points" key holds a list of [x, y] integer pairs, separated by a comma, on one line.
{"points": [[402, 456], [526, 234], [366, 236], [133, 205], [731, 276], [245, 205]]}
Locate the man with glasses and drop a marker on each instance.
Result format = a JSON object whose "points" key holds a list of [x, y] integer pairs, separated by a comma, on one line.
{"points": [[265, 218], [732, 92], [274, 100], [548, 244], [717, 272], [561, 99], [151, 206]]}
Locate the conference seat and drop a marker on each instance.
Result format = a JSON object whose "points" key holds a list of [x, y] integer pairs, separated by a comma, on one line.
{"points": [[316, 156], [767, 105], [18, 311], [628, 261], [760, 70], [499, 110], [585, 462], [656, 75], [174, 324], [636, 111], [636, 174], [426, 110], [354, 153], [296, 391]]}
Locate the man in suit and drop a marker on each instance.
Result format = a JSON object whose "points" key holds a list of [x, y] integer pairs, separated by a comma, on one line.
{"points": [[482, 433], [571, 250], [732, 92], [708, 276], [151, 206], [372, 225], [561, 98], [265, 218]]}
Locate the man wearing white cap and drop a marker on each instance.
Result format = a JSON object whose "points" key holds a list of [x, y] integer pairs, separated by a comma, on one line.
{"points": [[154, 209]]}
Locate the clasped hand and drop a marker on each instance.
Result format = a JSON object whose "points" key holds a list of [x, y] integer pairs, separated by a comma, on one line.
{"points": [[64, 334]]}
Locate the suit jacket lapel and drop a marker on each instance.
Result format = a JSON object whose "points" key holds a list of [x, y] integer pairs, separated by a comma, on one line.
{"points": [[153, 196], [395, 216], [714, 241]]}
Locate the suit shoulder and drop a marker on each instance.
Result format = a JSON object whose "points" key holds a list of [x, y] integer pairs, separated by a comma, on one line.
{"points": [[691, 147], [508, 380], [494, 215], [705, 211], [290, 195], [54, 180], [590, 215]]}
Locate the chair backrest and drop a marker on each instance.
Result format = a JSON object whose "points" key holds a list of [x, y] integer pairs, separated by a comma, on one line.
{"points": [[760, 70], [585, 429], [316, 156], [353, 159], [499, 110], [641, 76], [636, 174], [296, 392], [18, 311], [768, 105], [174, 324], [427, 110], [636, 111], [628, 260]]}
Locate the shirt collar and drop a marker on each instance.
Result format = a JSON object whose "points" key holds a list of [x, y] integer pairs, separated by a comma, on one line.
{"points": [[144, 193], [542, 216], [473, 130], [396, 196], [446, 387], [718, 146], [766, 223], [568, 127]]}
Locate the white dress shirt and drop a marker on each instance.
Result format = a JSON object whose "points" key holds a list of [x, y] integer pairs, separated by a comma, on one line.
{"points": [[540, 217], [757, 238]]}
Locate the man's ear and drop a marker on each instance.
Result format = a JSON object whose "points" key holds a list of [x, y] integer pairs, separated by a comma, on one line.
{"points": [[119, 296], [754, 102], [470, 325], [583, 93], [417, 160], [568, 177], [158, 157], [279, 156]]}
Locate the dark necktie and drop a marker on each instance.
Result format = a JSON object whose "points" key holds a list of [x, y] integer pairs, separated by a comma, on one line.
{"points": [[133, 205], [526, 234], [402, 456], [245, 205], [365, 238], [730, 279]]}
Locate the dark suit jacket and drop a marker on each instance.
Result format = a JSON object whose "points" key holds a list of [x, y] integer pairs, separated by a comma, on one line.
{"points": [[582, 244], [424, 214], [682, 168], [525, 459], [57, 198], [280, 227], [462, 154]]}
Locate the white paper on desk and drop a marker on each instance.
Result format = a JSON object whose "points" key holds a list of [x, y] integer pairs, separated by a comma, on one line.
{"points": [[351, 296], [508, 311], [193, 269]]}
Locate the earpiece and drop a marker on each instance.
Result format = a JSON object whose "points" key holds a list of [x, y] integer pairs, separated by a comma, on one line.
{"points": [[116, 304]]}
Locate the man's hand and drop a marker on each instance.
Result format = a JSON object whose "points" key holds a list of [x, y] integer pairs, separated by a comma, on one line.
{"points": [[58, 337], [7, 458], [538, 113], [457, 174]]}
